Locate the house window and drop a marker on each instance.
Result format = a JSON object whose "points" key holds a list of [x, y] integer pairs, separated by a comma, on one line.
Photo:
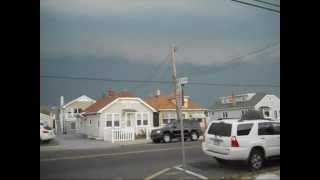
{"points": [[116, 122], [109, 120], [165, 121], [275, 115], [145, 119], [139, 119], [225, 115], [98, 123], [75, 110], [266, 113], [90, 122]]}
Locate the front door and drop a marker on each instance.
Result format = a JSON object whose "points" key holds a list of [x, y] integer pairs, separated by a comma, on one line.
{"points": [[130, 119]]}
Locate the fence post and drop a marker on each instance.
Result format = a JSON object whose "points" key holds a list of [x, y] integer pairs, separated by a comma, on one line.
{"points": [[147, 133], [112, 138]]}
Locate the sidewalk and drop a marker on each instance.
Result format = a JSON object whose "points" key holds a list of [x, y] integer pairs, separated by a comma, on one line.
{"points": [[178, 173], [270, 175], [76, 142]]}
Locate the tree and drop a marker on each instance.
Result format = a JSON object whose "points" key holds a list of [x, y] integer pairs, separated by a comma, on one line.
{"points": [[251, 115]]}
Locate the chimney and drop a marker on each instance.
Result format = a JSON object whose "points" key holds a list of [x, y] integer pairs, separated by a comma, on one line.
{"points": [[158, 92], [111, 92]]}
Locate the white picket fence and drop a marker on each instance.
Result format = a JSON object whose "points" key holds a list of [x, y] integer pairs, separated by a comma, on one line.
{"points": [[122, 134]]}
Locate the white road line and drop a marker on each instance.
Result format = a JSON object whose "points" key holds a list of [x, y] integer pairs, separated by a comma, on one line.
{"points": [[112, 154], [157, 174], [192, 173]]}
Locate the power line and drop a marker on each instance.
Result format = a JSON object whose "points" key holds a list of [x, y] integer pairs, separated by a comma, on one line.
{"points": [[265, 2], [158, 82], [258, 6], [158, 67]]}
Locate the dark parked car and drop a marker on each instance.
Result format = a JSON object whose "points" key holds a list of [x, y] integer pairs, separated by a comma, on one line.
{"points": [[171, 131]]}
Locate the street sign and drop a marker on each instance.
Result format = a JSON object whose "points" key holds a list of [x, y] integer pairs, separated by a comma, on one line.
{"points": [[183, 80]]}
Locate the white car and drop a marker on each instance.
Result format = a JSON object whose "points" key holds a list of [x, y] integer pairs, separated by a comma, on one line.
{"points": [[46, 134], [250, 140]]}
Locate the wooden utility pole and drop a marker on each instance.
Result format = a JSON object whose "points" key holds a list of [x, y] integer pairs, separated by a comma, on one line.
{"points": [[178, 90]]}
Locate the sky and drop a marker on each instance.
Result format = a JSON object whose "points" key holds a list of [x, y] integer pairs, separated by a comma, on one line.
{"points": [[130, 39]]}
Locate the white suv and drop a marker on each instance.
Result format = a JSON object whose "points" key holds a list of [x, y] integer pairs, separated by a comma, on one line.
{"points": [[46, 133], [250, 140]]}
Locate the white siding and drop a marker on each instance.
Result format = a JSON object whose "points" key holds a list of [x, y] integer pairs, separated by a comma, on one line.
{"points": [[271, 101], [92, 129], [125, 104]]}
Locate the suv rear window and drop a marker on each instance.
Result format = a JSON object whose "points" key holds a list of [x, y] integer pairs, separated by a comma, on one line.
{"points": [[220, 129], [244, 129]]}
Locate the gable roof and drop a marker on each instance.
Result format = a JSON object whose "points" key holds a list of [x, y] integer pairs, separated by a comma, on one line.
{"points": [[94, 108], [165, 102], [250, 103], [83, 98]]}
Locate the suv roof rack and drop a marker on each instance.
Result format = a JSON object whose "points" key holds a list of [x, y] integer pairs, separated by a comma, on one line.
{"points": [[241, 120]]}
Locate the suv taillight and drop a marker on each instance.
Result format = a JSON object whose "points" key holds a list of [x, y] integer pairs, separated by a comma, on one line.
{"points": [[234, 142]]}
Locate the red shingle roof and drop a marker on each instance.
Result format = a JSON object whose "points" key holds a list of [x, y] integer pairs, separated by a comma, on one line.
{"points": [[107, 100], [166, 102]]}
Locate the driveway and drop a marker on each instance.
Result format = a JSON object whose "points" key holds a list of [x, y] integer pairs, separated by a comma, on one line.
{"points": [[75, 142]]}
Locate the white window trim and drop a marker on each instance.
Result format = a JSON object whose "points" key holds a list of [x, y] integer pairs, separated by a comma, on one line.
{"points": [[105, 122], [141, 115], [112, 120]]}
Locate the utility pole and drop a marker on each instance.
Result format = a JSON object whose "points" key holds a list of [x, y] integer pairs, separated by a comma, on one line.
{"points": [[62, 114], [178, 92]]}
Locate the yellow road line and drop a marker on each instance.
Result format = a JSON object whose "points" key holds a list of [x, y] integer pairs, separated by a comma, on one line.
{"points": [[112, 154], [157, 174]]}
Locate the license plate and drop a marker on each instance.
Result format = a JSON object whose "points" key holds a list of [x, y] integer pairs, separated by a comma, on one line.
{"points": [[216, 142]]}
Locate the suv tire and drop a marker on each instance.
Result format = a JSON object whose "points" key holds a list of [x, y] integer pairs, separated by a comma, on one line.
{"points": [[166, 138], [194, 136], [255, 160]]}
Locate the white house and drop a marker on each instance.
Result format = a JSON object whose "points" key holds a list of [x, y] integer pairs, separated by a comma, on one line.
{"points": [[236, 105], [46, 119], [121, 111], [71, 111]]}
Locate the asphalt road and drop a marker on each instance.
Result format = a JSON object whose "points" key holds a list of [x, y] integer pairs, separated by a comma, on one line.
{"points": [[134, 161]]}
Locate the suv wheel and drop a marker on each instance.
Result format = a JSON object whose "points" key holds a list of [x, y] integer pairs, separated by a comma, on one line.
{"points": [[255, 160], [166, 138], [194, 136]]}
